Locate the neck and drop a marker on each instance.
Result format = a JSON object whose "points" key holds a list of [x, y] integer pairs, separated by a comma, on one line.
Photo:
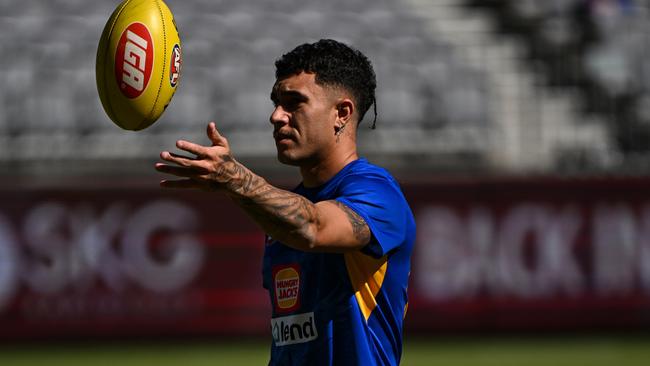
{"points": [[314, 175]]}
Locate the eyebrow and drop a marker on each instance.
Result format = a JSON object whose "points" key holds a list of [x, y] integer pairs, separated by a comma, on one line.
{"points": [[276, 93]]}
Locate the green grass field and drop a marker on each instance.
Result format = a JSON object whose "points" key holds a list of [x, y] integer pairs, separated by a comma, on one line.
{"points": [[574, 351]]}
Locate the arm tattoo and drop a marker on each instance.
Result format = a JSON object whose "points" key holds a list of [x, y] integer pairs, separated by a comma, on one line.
{"points": [[286, 216], [359, 226]]}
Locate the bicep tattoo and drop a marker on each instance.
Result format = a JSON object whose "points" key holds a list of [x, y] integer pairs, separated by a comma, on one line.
{"points": [[360, 228]]}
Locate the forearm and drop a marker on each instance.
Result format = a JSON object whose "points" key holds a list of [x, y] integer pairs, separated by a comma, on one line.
{"points": [[292, 219], [288, 217]]}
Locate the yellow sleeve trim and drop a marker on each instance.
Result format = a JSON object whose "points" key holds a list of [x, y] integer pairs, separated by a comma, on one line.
{"points": [[366, 275]]}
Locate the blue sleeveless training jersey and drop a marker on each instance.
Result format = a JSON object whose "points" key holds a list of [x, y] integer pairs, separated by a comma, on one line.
{"points": [[344, 309]]}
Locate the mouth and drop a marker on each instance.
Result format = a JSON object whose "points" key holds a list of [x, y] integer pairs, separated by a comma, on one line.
{"points": [[282, 137]]}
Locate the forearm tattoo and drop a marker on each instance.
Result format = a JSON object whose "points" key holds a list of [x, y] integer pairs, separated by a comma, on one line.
{"points": [[284, 215], [359, 226]]}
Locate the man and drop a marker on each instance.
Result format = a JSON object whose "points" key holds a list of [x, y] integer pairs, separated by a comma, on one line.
{"points": [[337, 255]]}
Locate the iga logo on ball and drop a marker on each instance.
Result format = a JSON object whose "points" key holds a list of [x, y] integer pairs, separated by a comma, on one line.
{"points": [[138, 63], [176, 63], [134, 60]]}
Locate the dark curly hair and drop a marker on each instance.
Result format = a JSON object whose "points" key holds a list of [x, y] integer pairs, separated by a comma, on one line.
{"points": [[335, 64]]}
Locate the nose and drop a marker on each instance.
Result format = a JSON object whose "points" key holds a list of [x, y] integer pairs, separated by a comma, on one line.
{"points": [[279, 116]]}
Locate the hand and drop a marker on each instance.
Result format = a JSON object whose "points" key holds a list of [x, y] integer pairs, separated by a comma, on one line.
{"points": [[211, 168]]}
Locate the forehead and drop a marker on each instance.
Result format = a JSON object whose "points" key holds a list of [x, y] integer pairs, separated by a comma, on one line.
{"points": [[304, 83]]}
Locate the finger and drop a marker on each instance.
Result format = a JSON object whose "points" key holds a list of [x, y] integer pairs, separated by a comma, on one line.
{"points": [[183, 156], [191, 147], [180, 183], [215, 136], [181, 171], [178, 159]]}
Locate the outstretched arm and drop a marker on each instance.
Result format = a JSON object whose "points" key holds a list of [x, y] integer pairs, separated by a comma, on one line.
{"points": [[327, 226]]}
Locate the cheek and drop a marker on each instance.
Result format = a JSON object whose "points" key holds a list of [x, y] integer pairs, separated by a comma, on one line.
{"points": [[316, 134], [313, 127], [320, 123]]}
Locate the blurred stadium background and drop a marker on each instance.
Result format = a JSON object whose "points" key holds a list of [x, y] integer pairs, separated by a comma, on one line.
{"points": [[520, 130]]}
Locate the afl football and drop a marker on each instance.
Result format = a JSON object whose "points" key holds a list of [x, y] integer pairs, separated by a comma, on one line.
{"points": [[138, 63]]}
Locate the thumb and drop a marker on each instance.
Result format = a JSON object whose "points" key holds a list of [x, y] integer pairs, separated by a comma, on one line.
{"points": [[215, 137]]}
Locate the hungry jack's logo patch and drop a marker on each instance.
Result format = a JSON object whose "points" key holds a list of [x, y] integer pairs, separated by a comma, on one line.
{"points": [[286, 286]]}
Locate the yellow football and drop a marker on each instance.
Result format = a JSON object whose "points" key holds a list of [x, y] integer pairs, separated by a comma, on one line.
{"points": [[138, 63]]}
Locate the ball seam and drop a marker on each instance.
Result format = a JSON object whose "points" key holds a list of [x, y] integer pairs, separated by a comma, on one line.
{"points": [[164, 63]]}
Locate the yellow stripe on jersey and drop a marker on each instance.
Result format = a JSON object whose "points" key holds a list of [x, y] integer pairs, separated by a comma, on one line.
{"points": [[366, 275]]}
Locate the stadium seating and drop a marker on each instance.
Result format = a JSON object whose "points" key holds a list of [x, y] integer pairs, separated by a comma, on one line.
{"points": [[599, 47], [433, 102], [49, 108]]}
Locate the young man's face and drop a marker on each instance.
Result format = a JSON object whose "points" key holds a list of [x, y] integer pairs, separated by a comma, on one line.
{"points": [[303, 119]]}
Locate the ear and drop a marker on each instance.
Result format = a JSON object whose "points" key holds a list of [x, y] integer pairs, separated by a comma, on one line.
{"points": [[344, 111]]}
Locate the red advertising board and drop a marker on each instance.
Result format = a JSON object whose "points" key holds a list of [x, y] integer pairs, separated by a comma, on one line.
{"points": [[128, 263], [532, 255], [490, 255]]}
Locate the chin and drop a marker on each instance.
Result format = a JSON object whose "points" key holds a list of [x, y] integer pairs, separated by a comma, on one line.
{"points": [[286, 159], [285, 156]]}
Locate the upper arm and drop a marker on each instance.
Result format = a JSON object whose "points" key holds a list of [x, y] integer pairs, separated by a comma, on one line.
{"points": [[340, 228], [370, 214]]}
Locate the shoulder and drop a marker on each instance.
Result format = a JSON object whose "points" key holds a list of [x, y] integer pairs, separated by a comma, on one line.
{"points": [[372, 193], [364, 167], [368, 178]]}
